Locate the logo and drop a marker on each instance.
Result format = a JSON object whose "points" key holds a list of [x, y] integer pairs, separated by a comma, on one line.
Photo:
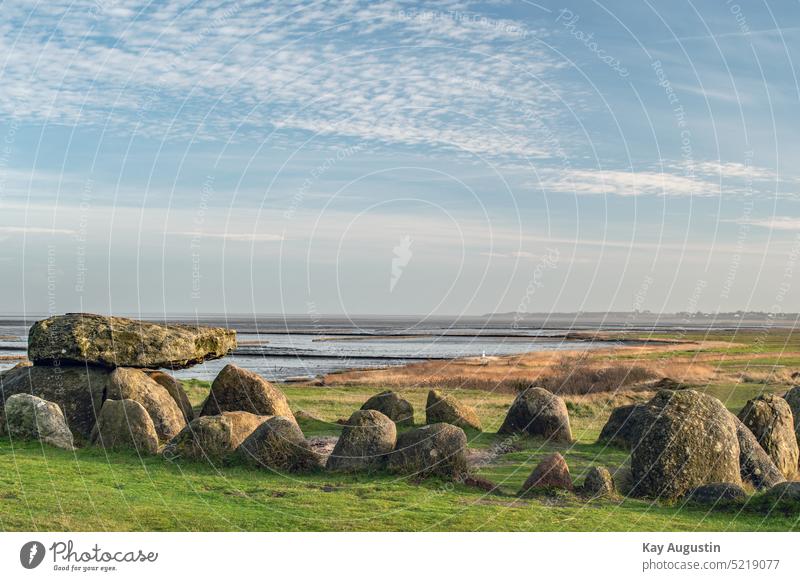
{"points": [[31, 554], [402, 256]]}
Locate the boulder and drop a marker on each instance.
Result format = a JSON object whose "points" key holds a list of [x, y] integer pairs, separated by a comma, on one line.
{"points": [[443, 408], [365, 441], [716, 493], [598, 482], [623, 427], [394, 407], [784, 491], [31, 418], [792, 397], [770, 419], [551, 473], [83, 338], [236, 389], [129, 383], [435, 449], [78, 391], [756, 467], [279, 444], [304, 416], [125, 424], [175, 390], [213, 438], [688, 439], [538, 412]]}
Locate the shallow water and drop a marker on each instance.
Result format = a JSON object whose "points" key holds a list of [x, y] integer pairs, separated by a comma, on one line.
{"points": [[279, 349]]}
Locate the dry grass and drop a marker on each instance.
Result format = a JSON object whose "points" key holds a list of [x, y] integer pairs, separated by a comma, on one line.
{"points": [[579, 375], [773, 375], [693, 363], [560, 372]]}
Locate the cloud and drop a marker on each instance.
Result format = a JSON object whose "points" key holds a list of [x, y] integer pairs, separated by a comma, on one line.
{"points": [[357, 70], [34, 230], [731, 169], [624, 183], [774, 223]]}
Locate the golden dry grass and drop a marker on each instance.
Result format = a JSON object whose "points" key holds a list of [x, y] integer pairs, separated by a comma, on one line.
{"points": [[509, 373]]}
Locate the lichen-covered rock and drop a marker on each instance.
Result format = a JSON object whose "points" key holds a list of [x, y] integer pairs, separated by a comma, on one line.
{"points": [[279, 444], [118, 342], [756, 466], [792, 397], [538, 412], [213, 438], [125, 424], [623, 427], [135, 384], [31, 418], [551, 473], [598, 483], [78, 391], [175, 390], [688, 439], [394, 407], [435, 449], [717, 493], [236, 389], [444, 408], [366, 440], [770, 419]]}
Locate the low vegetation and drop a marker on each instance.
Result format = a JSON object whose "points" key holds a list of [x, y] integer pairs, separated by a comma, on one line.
{"points": [[43, 488]]}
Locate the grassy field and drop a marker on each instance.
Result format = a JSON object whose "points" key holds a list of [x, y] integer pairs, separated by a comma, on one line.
{"points": [[50, 489]]}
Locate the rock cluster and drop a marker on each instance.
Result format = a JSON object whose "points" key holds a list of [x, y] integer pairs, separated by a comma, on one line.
{"points": [[99, 374], [94, 380], [686, 444]]}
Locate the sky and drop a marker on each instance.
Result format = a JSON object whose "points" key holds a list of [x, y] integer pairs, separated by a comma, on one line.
{"points": [[399, 158]]}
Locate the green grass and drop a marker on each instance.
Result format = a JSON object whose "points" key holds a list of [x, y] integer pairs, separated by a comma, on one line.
{"points": [[50, 489]]}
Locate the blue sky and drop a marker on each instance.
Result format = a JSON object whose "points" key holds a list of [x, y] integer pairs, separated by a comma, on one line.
{"points": [[398, 157]]}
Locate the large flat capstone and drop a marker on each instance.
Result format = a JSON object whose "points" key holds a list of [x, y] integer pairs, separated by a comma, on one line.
{"points": [[119, 342]]}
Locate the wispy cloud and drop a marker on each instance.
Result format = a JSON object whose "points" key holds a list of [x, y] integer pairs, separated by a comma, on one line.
{"points": [[34, 230], [354, 70], [625, 183], [774, 223]]}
